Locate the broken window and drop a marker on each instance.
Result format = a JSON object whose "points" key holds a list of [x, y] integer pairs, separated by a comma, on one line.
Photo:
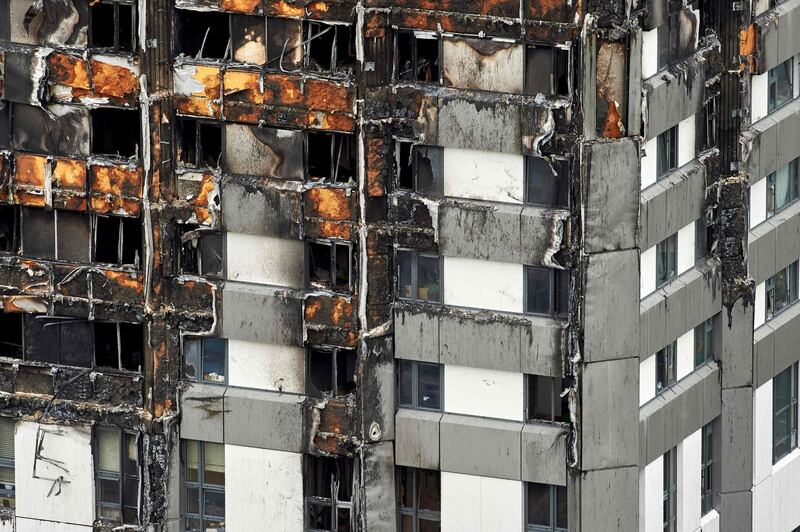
{"points": [[248, 39], [666, 374], [329, 47], [419, 385], [112, 26], [115, 132], [667, 152], [201, 252], [329, 265], [545, 508], [329, 492], [782, 187], [331, 156], [669, 39], [417, 56], [704, 342], [666, 260], [420, 168], [781, 290], [670, 496], [418, 276], [204, 486], [546, 291], [419, 499], [117, 458], [546, 399], [202, 35], [117, 240], [119, 345], [707, 469], [205, 359], [7, 477], [781, 85], [784, 412], [546, 185], [8, 228], [546, 70], [331, 371], [56, 234], [58, 340], [11, 334], [200, 144]]}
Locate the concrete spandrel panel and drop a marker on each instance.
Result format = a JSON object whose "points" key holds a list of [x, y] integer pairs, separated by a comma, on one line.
{"points": [[268, 152], [478, 174], [483, 64], [69, 446], [416, 334], [257, 209], [480, 504], [268, 420], [480, 446], [487, 126], [262, 314], [480, 340], [544, 233], [202, 412], [35, 525], [266, 366], [265, 260], [544, 448], [417, 438], [379, 492], [737, 439], [609, 499], [480, 231], [543, 342], [612, 195]]}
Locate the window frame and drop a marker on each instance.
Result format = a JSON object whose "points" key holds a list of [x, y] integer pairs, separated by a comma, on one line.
{"points": [[8, 490], [666, 363], [121, 220], [347, 143], [333, 501], [437, 167], [333, 351], [706, 331], [561, 183], [772, 85], [668, 246], [415, 36], [200, 485], [307, 38], [553, 509], [556, 386], [13, 212], [54, 214], [554, 70], [793, 169], [707, 468], [414, 404], [188, 232], [792, 408], [670, 490], [332, 244], [116, 48], [416, 513], [667, 146], [181, 121], [554, 291], [415, 255], [201, 341], [119, 477], [770, 291]]}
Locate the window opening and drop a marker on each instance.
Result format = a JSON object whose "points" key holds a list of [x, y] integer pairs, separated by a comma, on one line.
{"points": [[111, 26], [117, 459], [11, 334], [329, 265], [545, 185], [206, 359], [201, 251], [117, 240], [200, 143], [419, 385], [331, 156], [7, 459], [784, 409], [546, 70], [546, 291], [202, 35], [666, 374], [331, 371], [704, 342], [781, 290], [204, 486], [115, 132], [545, 508], [329, 491], [329, 47], [666, 260], [667, 151], [780, 81], [782, 187], [545, 400], [418, 276], [670, 514], [417, 56], [8, 228], [418, 499], [707, 470]]}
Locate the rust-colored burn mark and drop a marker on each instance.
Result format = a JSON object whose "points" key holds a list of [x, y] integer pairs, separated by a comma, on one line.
{"points": [[30, 170], [102, 80], [611, 89], [29, 304], [376, 166], [70, 174], [324, 95], [69, 70], [327, 229], [332, 311], [114, 81], [747, 48], [203, 102], [333, 121], [282, 89], [5, 175], [330, 203], [125, 281], [552, 10], [285, 9], [241, 6], [117, 181], [244, 84], [201, 200], [612, 128]]}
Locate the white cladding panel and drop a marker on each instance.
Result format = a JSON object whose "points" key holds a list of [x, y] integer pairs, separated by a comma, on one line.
{"points": [[647, 271], [759, 307], [35, 525], [689, 488], [685, 362], [686, 140], [649, 163], [758, 202], [649, 53], [647, 380], [686, 248], [759, 91], [483, 284], [651, 495], [484, 392], [265, 260], [480, 504], [762, 432], [266, 366], [483, 175]]}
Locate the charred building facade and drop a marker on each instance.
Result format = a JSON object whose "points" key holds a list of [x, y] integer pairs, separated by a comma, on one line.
{"points": [[383, 265]]}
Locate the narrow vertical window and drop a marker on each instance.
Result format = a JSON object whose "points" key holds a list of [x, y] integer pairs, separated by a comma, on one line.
{"points": [[667, 151], [782, 187], [670, 490], [781, 290], [418, 499], [329, 493], [665, 367], [666, 260], [418, 276], [707, 469], [781, 85], [545, 400], [204, 486], [419, 385], [117, 457], [784, 410], [7, 479], [704, 342]]}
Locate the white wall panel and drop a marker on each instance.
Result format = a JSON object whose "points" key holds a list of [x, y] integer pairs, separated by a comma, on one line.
{"points": [[759, 307], [265, 260], [759, 91], [762, 432], [758, 202], [649, 165], [689, 488], [483, 175], [647, 380], [686, 140], [34, 525], [786, 493], [480, 504], [484, 392], [762, 505], [72, 447], [649, 53], [685, 354], [483, 284], [651, 488], [647, 271], [266, 366], [709, 522], [264, 489], [686, 248]]}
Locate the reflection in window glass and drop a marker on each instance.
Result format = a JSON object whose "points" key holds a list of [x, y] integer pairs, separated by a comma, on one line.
{"points": [[781, 85], [782, 187]]}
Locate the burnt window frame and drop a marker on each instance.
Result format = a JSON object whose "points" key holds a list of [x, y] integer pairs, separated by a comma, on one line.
{"points": [[121, 220], [181, 121], [307, 39], [116, 48], [561, 182], [187, 341], [54, 213], [94, 112], [667, 146], [188, 232], [120, 477], [773, 104], [334, 352], [772, 289], [8, 490], [701, 238], [415, 385], [415, 36], [416, 151], [332, 243], [347, 140], [666, 367], [793, 180], [14, 243], [555, 493], [310, 462], [670, 31], [118, 326], [177, 22], [415, 256], [200, 485], [556, 279], [556, 386], [555, 65], [415, 511]]}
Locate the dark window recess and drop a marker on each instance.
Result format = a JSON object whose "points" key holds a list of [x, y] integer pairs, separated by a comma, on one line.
{"points": [[201, 252], [710, 123], [784, 412], [56, 234], [331, 156], [547, 185], [117, 459], [417, 57], [420, 168], [670, 497], [9, 218], [200, 143], [38, 233], [331, 371], [704, 342], [329, 265], [7, 458], [545, 508], [202, 35], [117, 240], [669, 41], [545, 401], [780, 81], [57, 340], [666, 374], [205, 359], [782, 187], [701, 238], [707, 469], [666, 260], [667, 152], [418, 276], [329, 47], [781, 290], [546, 291], [419, 385], [111, 26], [546, 71], [329, 492], [115, 132], [419, 499], [118, 345], [11, 335]]}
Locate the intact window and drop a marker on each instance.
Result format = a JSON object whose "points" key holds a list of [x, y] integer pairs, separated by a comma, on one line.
{"points": [[546, 70], [329, 47], [200, 144], [545, 400], [115, 132], [545, 508], [200, 252], [781, 85], [545, 185], [707, 469], [331, 371], [7, 478], [117, 240], [205, 359], [329, 493], [704, 342], [670, 513], [546, 291], [420, 168], [667, 151], [784, 412], [666, 374], [112, 26], [419, 497], [781, 290], [117, 459], [331, 156], [55, 235], [417, 56], [419, 385], [204, 486], [782, 187], [418, 276], [329, 265], [666, 260]]}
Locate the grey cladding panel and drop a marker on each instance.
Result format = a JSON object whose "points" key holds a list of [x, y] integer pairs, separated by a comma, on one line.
{"points": [[737, 439], [59, 130], [610, 499], [261, 314], [417, 438], [771, 143], [778, 35], [543, 453], [202, 413], [254, 209], [379, 501], [480, 231], [484, 126], [416, 335], [479, 446], [542, 342], [736, 354], [267, 152], [378, 394], [266, 420], [481, 342]]}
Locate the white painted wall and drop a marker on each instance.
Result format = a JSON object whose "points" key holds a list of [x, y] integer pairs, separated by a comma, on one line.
{"points": [[758, 202], [685, 358], [709, 522], [70, 445], [480, 504], [8, 526], [266, 492], [266, 366], [760, 6], [647, 380], [686, 248], [647, 272], [686, 147], [760, 306], [762, 432], [483, 284], [483, 175], [759, 94], [484, 392], [776, 498], [649, 163], [649, 53], [265, 260], [651, 495], [689, 481], [35, 525]]}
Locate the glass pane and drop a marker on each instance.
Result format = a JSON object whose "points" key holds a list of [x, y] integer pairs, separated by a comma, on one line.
{"points": [[781, 79], [405, 288], [538, 504], [214, 359], [345, 371], [538, 291], [319, 516], [404, 391], [110, 513], [406, 523], [783, 188], [561, 507], [429, 490], [130, 460], [540, 182], [109, 491], [191, 356], [428, 526], [6, 477], [429, 386], [192, 461], [130, 515], [108, 451], [193, 500], [130, 492], [6, 438], [405, 481], [540, 397], [214, 471], [428, 279], [343, 520], [213, 524], [214, 503], [319, 256], [193, 525], [430, 164]]}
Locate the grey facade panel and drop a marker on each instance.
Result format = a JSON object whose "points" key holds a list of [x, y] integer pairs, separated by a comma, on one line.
{"points": [[737, 439], [543, 453], [202, 412], [763, 355], [254, 209], [736, 353], [543, 344], [712, 390], [771, 143], [481, 342], [262, 314], [479, 126], [610, 499], [543, 232], [736, 511], [778, 35], [417, 438], [416, 335], [480, 446], [379, 492], [761, 251], [378, 389], [787, 235], [786, 327], [266, 420]]}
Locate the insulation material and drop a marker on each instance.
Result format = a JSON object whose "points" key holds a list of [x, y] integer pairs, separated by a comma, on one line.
{"points": [[612, 89], [115, 189], [55, 129], [102, 80], [483, 64], [198, 90]]}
